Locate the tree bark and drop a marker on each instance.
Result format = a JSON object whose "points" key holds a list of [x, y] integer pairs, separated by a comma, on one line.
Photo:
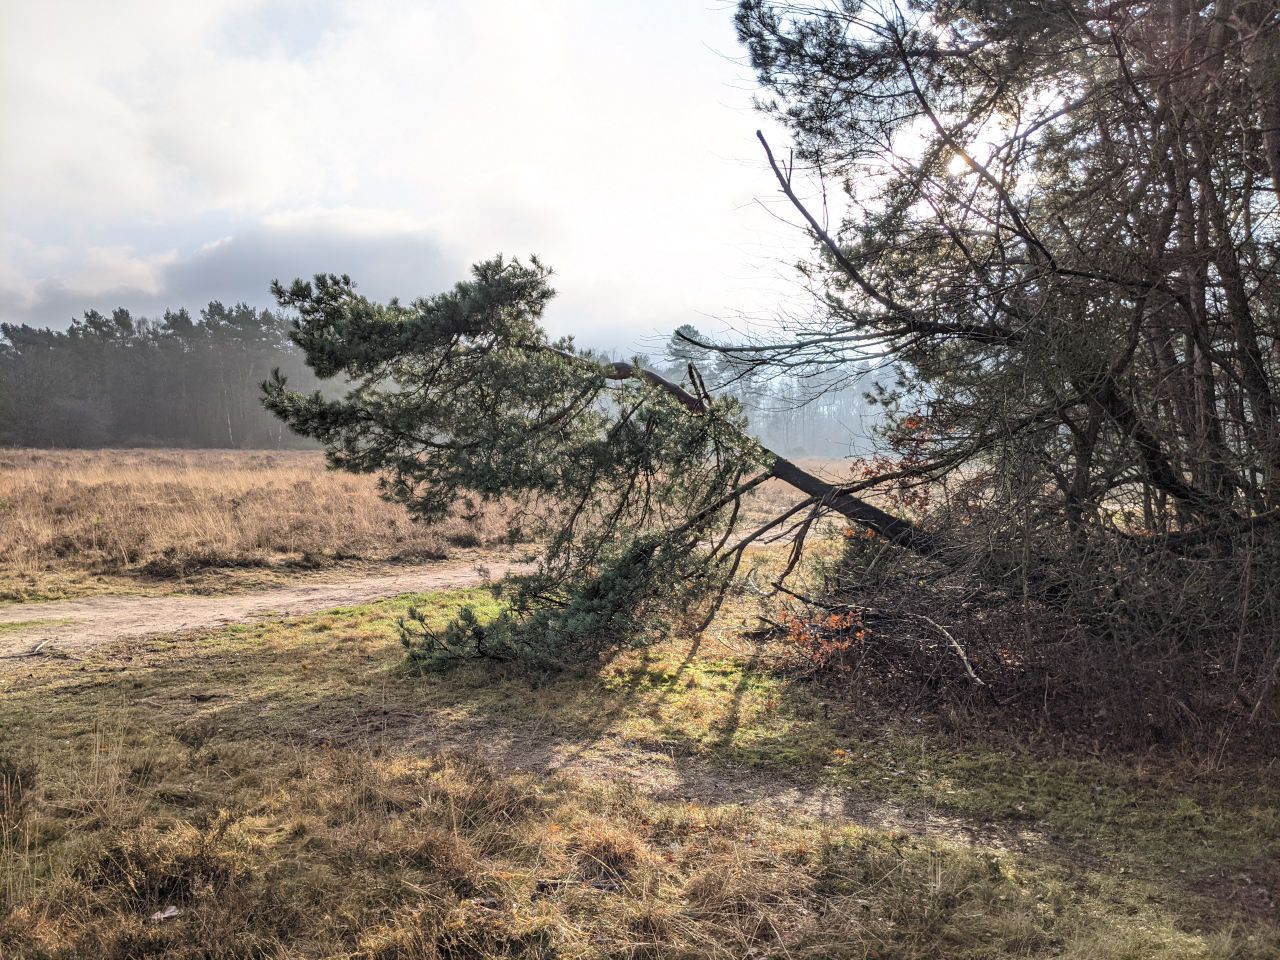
{"points": [[896, 530]]}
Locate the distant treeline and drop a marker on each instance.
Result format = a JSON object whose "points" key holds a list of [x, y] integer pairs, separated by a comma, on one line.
{"points": [[121, 381], [799, 417], [194, 382]]}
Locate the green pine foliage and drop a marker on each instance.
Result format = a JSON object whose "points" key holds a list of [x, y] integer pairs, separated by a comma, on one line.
{"points": [[464, 394]]}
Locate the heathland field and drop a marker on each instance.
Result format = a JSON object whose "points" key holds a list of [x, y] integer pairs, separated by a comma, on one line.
{"points": [[287, 786], [78, 521], [74, 522]]}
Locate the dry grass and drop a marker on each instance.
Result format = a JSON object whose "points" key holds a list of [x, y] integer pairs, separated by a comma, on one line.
{"points": [[286, 789], [75, 522], [69, 516], [298, 852], [295, 792]]}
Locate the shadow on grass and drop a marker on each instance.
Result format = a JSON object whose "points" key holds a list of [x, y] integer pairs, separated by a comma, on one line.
{"points": [[674, 721]]}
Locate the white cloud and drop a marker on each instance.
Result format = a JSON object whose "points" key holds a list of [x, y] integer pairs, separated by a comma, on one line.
{"points": [[232, 269], [614, 140], [359, 221], [105, 268]]}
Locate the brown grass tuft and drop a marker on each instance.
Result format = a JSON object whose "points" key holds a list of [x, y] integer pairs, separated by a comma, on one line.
{"points": [[750, 896], [440, 850], [150, 870], [18, 775], [608, 853]]}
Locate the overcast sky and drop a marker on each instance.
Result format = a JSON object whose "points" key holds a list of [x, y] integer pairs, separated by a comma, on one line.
{"points": [[164, 154]]}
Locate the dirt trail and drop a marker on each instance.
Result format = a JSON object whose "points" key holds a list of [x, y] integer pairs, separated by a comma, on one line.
{"points": [[72, 625]]}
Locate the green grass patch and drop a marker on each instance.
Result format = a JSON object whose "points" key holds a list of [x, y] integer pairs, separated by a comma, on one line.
{"points": [[16, 626], [1160, 814]]}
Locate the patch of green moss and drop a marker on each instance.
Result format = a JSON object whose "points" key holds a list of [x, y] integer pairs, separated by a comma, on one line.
{"points": [[1166, 815]]}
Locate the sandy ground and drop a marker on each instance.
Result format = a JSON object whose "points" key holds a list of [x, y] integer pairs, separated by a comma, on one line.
{"points": [[71, 625]]}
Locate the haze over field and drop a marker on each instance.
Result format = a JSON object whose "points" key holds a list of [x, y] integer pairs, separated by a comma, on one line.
{"points": [[162, 155]]}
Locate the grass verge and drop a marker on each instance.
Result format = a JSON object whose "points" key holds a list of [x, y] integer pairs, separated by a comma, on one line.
{"points": [[290, 791]]}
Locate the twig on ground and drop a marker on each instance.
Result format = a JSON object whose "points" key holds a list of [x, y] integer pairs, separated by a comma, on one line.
{"points": [[955, 645]]}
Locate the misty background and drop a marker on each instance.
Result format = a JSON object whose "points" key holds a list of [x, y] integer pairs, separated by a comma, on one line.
{"points": [[161, 164], [193, 381]]}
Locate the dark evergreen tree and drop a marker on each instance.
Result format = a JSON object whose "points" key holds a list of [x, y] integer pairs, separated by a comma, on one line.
{"points": [[120, 381], [1055, 221]]}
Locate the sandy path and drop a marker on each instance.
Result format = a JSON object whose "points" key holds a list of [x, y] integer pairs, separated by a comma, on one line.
{"points": [[70, 625]]}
